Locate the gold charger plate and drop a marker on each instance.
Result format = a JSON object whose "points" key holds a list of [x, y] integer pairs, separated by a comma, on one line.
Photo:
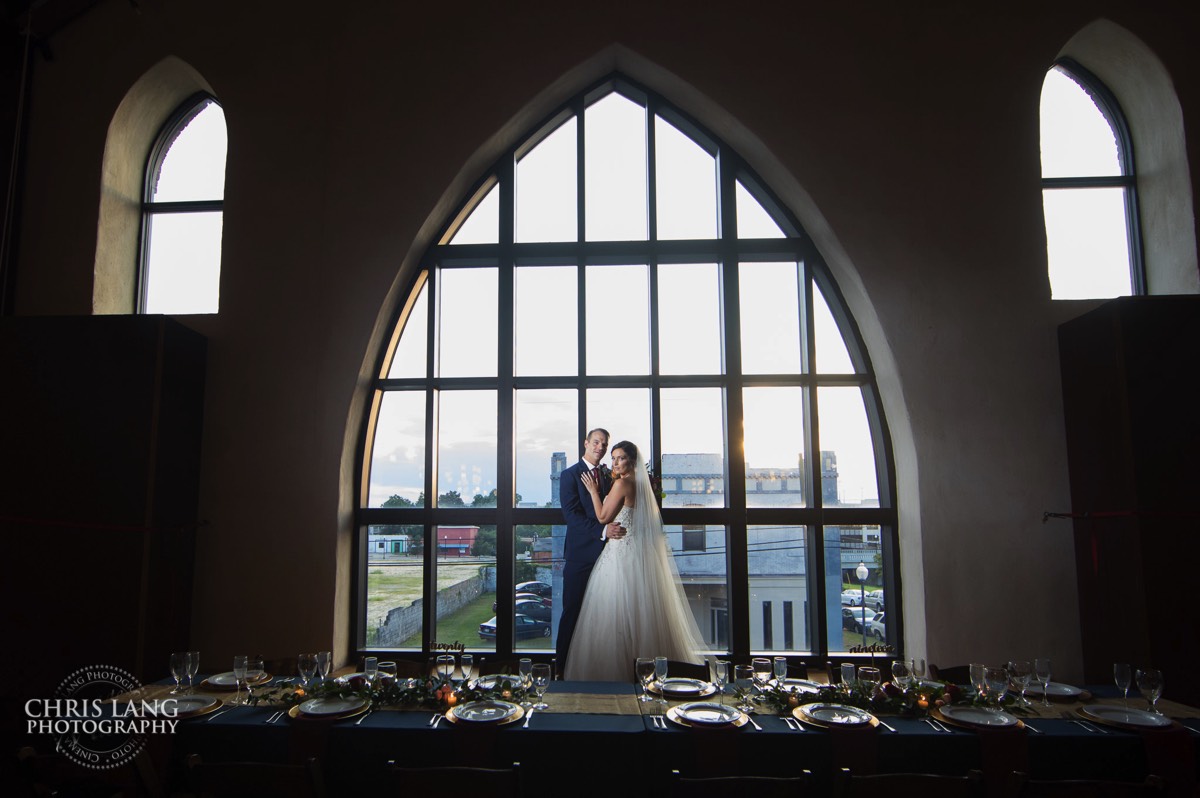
{"points": [[1106, 715], [204, 710], [468, 724], [295, 714], [958, 724], [703, 689], [799, 715], [221, 688], [673, 716]]}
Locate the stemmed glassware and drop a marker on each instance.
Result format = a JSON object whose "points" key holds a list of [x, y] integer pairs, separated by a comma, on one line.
{"points": [[743, 677], [178, 670], [1150, 683], [644, 670], [525, 671], [660, 675], [762, 672], [902, 674], [1121, 677], [324, 664], [996, 681], [444, 667], [719, 671], [869, 676], [1019, 673], [306, 666], [780, 664], [466, 662], [848, 676], [541, 681], [918, 668], [387, 672], [255, 670], [371, 669], [193, 667], [240, 665], [1041, 671], [978, 677]]}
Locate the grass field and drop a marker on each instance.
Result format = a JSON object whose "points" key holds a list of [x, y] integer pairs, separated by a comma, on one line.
{"points": [[400, 585]]}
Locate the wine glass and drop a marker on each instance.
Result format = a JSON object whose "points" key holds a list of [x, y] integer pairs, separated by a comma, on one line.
{"points": [[306, 666], [780, 671], [240, 665], [902, 674], [178, 669], [1121, 677], [387, 672], [467, 663], [445, 667], [255, 671], [1019, 673], [918, 668], [1150, 683], [869, 676], [541, 681], [193, 667], [371, 669], [644, 669], [324, 664], [996, 681], [977, 674], [743, 678], [848, 677], [762, 672], [525, 671], [719, 669], [660, 674], [1041, 672]]}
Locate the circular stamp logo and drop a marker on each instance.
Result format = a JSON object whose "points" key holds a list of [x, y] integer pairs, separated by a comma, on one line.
{"points": [[88, 725]]}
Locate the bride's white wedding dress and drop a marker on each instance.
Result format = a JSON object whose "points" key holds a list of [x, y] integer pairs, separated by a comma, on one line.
{"points": [[634, 605]]}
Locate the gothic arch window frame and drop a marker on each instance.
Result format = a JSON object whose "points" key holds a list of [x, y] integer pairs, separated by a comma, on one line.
{"points": [[726, 250], [1110, 109]]}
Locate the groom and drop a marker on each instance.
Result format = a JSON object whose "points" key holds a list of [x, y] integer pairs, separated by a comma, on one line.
{"points": [[585, 535]]}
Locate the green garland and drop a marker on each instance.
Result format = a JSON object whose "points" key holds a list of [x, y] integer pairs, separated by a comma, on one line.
{"points": [[428, 694], [887, 699]]}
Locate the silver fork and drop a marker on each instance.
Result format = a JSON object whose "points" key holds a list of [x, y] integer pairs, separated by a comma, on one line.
{"points": [[274, 717], [937, 727]]}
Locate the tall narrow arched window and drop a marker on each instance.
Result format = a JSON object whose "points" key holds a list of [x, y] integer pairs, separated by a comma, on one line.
{"points": [[1089, 189], [182, 212], [622, 268]]}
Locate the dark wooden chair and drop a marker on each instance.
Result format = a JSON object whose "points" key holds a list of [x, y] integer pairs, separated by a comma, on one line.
{"points": [[750, 786], [1021, 786], [955, 674], [684, 670], [926, 785], [458, 780], [254, 779]]}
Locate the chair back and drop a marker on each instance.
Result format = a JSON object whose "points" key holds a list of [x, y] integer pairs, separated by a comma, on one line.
{"points": [[926, 785], [1020, 785], [751, 786], [460, 780], [955, 674], [254, 779]]}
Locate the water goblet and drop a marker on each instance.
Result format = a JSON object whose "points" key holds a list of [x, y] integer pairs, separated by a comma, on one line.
{"points": [[660, 674], [781, 670], [1041, 671], [902, 675], [1150, 683], [525, 671], [869, 676], [178, 669], [371, 670], [306, 667], [324, 664], [387, 672], [1121, 675], [541, 681], [762, 672], [466, 663], [848, 677], [240, 666], [743, 678], [1019, 673], [977, 674], [193, 668], [918, 668], [996, 682], [644, 670], [445, 667], [255, 671]]}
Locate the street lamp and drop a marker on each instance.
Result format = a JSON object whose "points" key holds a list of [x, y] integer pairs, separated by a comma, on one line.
{"points": [[861, 572]]}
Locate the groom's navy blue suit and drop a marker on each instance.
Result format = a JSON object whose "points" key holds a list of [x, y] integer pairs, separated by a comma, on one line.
{"points": [[582, 546]]}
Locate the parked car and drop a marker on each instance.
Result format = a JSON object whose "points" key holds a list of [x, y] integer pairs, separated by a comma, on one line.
{"points": [[876, 626], [852, 597], [852, 618], [875, 599], [545, 602], [523, 627], [537, 588], [534, 609]]}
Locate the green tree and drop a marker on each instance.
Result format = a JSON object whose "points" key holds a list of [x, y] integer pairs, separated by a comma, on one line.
{"points": [[415, 542], [524, 572], [485, 543], [451, 498]]}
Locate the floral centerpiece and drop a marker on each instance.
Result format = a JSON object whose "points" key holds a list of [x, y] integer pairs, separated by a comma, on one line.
{"points": [[886, 699], [430, 693]]}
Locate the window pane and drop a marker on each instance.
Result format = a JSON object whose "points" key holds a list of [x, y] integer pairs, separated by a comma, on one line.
{"points": [[534, 622], [546, 189], [618, 320], [545, 321], [395, 581], [411, 349], [693, 441], [398, 453], [775, 557], [700, 556], [183, 267], [774, 447], [624, 412], [770, 308], [483, 225], [466, 590], [753, 221], [686, 182], [832, 357], [615, 169], [845, 611], [467, 322], [689, 318], [1077, 140], [466, 449], [848, 476], [194, 165], [1087, 243], [544, 443]]}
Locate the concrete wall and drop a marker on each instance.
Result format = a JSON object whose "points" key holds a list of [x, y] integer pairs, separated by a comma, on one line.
{"points": [[903, 136]]}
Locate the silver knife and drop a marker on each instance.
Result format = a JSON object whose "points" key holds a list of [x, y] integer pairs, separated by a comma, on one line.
{"points": [[884, 725], [752, 723], [366, 715], [528, 718]]}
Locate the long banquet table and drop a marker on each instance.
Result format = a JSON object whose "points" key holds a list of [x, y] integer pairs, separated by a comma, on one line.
{"points": [[615, 745]]}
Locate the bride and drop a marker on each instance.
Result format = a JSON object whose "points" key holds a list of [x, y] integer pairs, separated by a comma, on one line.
{"points": [[634, 605]]}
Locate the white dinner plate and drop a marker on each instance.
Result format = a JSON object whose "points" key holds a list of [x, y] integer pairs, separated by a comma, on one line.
{"points": [[685, 688], [1055, 690], [802, 685], [1120, 716], [227, 679], [486, 711], [331, 706], [977, 716], [492, 681], [707, 713], [835, 714], [187, 705]]}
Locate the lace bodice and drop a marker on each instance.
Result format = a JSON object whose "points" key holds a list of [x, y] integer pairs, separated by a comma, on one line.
{"points": [[625, 519]]}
